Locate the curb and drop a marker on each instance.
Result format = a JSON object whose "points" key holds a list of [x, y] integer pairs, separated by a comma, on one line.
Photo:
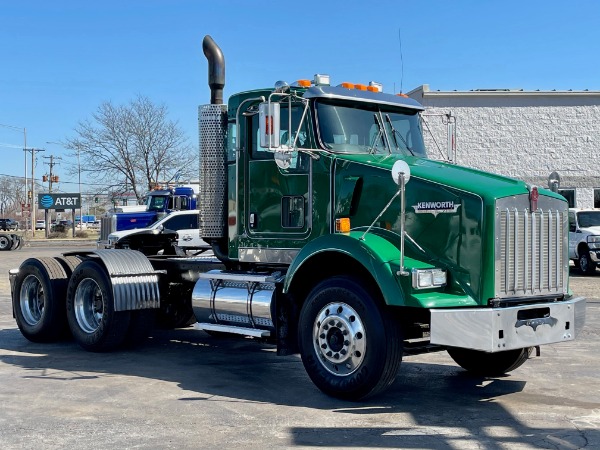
{"points": [[61, 243]]}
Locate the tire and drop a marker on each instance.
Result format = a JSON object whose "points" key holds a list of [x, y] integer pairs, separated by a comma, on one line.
{"points": [[94, 323], [39, 299], [586, 266], [6, 242], [69, 263], [489, 364], [17, 242], [351, 349]]}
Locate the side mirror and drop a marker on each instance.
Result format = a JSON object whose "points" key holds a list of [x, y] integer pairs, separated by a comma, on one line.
{"points": [[269, 117], [400, 167]]}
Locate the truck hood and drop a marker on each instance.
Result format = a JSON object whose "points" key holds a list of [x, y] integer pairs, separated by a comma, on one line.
{"points": [[484, 184], [450, 212], [124, 233], [595, 230]]}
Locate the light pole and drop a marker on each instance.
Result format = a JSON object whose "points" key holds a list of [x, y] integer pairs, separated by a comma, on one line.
{"points": [[33, 150]]}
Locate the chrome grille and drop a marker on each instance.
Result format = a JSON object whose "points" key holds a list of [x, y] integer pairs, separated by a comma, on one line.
{"points": [[531, 247], [212, 127], [107, 226]]}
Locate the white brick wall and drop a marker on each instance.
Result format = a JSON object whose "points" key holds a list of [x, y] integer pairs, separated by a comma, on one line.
{"points": [[525, 142]]}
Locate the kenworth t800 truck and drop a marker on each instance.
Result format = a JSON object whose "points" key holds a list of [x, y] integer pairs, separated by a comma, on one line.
{"points": [[333, 237]]}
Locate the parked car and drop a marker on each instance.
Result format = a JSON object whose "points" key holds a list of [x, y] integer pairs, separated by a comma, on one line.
{"points": [[61, 226], [584, 239], [40, 224], [8, 224], [160, 236]]}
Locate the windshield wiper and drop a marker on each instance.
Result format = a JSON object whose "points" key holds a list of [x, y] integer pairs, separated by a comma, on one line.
{"points": [[373, 147], [396, 134]]}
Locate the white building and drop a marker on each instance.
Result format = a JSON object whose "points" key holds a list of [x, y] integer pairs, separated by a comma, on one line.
{"points": [[522, 134]]}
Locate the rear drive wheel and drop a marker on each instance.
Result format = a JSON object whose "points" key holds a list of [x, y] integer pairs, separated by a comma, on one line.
{"points": [[95, 324], [17, 242], [585, 264], [489, 364], [350, 348], [39, 299], [5, 242]]}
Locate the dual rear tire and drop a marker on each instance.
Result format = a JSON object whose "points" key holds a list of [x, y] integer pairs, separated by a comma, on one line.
{"points": [[54, 295], [39, 296]]}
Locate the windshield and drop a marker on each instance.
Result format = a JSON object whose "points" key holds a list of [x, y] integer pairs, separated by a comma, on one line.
{"points": [[156, 203], [589, 219], [369, 128]]}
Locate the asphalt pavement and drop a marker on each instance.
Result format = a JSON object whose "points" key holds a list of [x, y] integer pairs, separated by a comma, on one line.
{"points": [[186, 389]]}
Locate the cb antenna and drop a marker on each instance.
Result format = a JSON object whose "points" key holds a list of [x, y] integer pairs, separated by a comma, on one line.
{"points": [[401, 61]]}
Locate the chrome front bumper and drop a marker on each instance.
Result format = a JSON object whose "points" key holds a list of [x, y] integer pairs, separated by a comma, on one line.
{"points": [[498, 329]]}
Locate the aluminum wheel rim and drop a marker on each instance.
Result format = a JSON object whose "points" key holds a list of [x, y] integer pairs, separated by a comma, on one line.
{"points": [[3, 242], [339, 339], [89, 305], [32, 300]]}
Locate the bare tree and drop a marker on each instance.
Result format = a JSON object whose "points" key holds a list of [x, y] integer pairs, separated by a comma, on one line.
{"points": [[132, 147], [11, 195]]}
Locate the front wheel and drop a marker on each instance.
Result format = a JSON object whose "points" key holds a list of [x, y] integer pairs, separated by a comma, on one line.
{"points": [[585, 264], [489, 364], [95, 324], [350, 348]]}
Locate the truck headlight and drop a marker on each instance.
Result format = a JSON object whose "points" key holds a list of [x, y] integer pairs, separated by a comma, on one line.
{"points": [[593, 242], [428, 278]]}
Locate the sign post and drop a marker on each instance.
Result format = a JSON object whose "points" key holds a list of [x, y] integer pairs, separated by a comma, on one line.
{"points": [[62, 201]]}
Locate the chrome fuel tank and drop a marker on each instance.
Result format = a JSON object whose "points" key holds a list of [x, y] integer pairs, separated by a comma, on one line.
{"points": [[238, 300]]}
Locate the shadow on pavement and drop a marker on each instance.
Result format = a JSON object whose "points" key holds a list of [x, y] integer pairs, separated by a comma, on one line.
{"points": [[449, 408]]}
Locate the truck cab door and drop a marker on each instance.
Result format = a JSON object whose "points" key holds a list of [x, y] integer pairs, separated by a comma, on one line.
{"points": [[278, 213]]}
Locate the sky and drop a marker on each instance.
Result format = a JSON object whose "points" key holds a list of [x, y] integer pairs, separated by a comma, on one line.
{"points": [[60, 60]]}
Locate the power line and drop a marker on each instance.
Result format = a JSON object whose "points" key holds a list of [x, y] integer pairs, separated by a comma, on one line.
{"points": [[2, 144]]}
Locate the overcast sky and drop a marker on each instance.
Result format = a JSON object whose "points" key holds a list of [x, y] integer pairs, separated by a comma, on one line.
{"points": [[61, 59]]}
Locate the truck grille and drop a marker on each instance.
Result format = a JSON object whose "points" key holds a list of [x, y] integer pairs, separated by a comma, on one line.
{"points": [[531, 247], [106, 227]]}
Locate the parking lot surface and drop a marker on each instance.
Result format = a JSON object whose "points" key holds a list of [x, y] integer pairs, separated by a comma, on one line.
{"points": [[186, 389]]}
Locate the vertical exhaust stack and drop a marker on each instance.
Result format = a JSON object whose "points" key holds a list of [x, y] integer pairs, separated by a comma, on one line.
{"points": [[212, 127], [216, 69]]}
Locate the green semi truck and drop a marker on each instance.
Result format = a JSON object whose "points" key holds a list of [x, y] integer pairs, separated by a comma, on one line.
{"points": [[335, 237]]}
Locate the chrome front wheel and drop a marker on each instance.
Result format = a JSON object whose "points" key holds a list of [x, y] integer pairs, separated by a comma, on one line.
{"points": [[340, 339], [351, 346]]}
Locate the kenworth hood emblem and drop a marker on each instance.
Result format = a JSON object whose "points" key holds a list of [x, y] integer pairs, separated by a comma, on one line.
{"points": [[436, 208]]}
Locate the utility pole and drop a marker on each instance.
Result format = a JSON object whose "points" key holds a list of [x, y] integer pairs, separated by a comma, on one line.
{"points": [[51, 179], [33, 150]]}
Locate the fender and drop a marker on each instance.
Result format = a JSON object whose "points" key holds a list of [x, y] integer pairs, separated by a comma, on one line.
{"points": [[134, 281], [376, 254]]}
